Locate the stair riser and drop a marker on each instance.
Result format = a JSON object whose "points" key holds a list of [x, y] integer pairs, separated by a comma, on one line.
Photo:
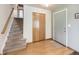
{"points": [[16, 29], [15, 39], [10, 47], [16, 26], [15, 43], [14, 49], [14, 33], [15, 36]]}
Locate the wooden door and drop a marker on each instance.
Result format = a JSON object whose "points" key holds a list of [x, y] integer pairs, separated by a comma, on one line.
{"points": [[42, 26], [38, 26]]}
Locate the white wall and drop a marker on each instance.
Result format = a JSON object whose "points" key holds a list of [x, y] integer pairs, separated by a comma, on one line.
{"points": [[4, 14], [73, 31], [5, 10], [28, 22]]}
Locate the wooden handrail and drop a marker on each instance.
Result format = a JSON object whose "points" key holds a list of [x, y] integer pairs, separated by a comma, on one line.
{"points": [[6, 24]]}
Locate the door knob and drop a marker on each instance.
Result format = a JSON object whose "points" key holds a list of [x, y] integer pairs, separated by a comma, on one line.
{"points": [[64, 28]]}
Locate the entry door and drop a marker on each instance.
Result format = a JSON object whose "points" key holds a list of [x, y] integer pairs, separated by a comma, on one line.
{"points": [[60, 26], [38, 26]]}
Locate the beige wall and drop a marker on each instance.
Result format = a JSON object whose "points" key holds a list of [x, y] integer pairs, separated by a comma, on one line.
{"points": [[4, 14]]}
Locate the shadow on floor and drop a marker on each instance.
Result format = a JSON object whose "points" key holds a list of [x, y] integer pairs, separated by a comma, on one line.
{"points": [[75, 53]]}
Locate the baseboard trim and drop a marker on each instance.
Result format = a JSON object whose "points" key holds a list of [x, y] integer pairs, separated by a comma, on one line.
{"points": [[67, 47], [35, 42], [49, 39], [59, 43], [73, 49], [40, 40]]}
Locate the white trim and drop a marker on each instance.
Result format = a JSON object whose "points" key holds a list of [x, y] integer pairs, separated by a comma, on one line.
{"points": [[53, 28], [66, 29], [60, 11], [66, 25]]}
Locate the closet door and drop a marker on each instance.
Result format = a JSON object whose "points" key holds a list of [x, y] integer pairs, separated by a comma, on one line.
{"points": [[38, 26]]}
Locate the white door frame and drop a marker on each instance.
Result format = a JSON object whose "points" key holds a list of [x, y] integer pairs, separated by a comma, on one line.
{"points": [[66, 25]]}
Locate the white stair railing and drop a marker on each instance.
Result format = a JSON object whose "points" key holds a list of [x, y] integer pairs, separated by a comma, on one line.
{"points": [[4, 36]]}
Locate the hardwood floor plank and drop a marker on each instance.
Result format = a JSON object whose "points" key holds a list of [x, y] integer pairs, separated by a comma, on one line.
{"points": [[46, 47]]}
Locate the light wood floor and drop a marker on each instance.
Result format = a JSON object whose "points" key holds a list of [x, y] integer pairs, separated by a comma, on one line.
{"points": [[46, 47]]}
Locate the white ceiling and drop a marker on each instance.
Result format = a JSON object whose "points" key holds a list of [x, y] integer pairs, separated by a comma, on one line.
{"points": [[50, 7]]}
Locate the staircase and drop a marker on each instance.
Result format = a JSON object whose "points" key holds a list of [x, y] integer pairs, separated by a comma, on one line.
{"points": [[15, 39]]}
